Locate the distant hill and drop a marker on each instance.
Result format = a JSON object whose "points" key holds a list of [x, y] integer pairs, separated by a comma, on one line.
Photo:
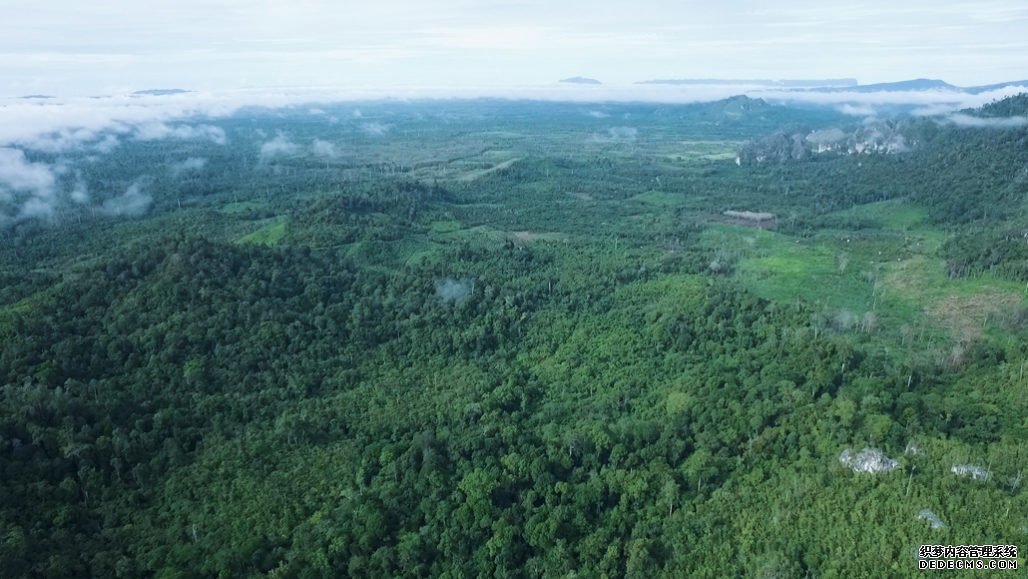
{"points": [[802, 83], [840, 85], [989, 87], [741, 104], [922, 84], [918, 84], [160, 92], [37, 97], [580, 80]]}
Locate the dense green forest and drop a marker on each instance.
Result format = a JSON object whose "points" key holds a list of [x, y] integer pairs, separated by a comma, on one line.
{"points": [[517, 339]]}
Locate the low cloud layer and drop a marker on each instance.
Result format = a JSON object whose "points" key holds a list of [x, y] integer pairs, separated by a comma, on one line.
{"points": [[156, 131], [32, 191], [280, 146], [19, 174], [963, 120], [452, 290], [324, 149], [27, 189], [62, 124], [375, 129], [132, 203], [617, 135], [190, 165], [868, 103]]}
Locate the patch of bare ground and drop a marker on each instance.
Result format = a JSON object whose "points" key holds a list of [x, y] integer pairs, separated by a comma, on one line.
{"points": [[745, 219], [964, 316], [907, 275], [526, 237], [473, 175]]}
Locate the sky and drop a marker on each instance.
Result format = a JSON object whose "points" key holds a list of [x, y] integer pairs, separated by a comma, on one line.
{"points": [[76, 48]]}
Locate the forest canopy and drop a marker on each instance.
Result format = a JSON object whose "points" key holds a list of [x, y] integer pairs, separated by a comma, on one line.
{"points": [[513, 338]]}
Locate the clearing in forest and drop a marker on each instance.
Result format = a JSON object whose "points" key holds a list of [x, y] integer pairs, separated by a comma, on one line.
{"points": [[270, 234], [478, 174], [893, 271]]}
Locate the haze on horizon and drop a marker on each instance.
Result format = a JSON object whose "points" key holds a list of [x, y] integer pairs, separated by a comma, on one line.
{"points": [[73, 48]]}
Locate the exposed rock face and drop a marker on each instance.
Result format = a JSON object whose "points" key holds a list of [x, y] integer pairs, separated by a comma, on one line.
{"points": [[869, 460], [973, 471], [932, 518], [778, 147], [873, 138], [750, 215]]}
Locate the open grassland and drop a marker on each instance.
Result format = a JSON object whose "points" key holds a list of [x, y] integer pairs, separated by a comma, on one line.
{"points": [[270, 234], [886, 279]]}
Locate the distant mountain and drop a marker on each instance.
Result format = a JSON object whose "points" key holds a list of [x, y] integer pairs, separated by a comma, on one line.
{"points": [[740, 105], [37, 97], [160, 92], [580, 80], [922, 84], [802, 83], [989, 87], [918, 84], [840, 85], [823, 82]]}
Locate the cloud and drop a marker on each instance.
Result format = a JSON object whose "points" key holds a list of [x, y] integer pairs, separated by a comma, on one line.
{"points": [[857, 110], [63, 124], [865, 103], [964, 120], [19, 174], [106, 144], [375, 129], [27, 189], [37, 208], [452, 290], [932, 110], [79, 194], [623, 133], [324, 149], [279, 146], [132, 203], [69, 139], [617, 135], [156, 131], [98, 124], [190, 165]]}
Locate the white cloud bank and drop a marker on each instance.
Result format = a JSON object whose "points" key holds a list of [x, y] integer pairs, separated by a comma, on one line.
{"points": [[324, 149], [60, 124], [133, 202], [963, 120], [18, 174], [190, 165], [280, 146]]}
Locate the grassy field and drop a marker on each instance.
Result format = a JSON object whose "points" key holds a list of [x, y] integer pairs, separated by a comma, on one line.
{"points": [[661, 199], [270, 234], [889, 279], [241, 207]]}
